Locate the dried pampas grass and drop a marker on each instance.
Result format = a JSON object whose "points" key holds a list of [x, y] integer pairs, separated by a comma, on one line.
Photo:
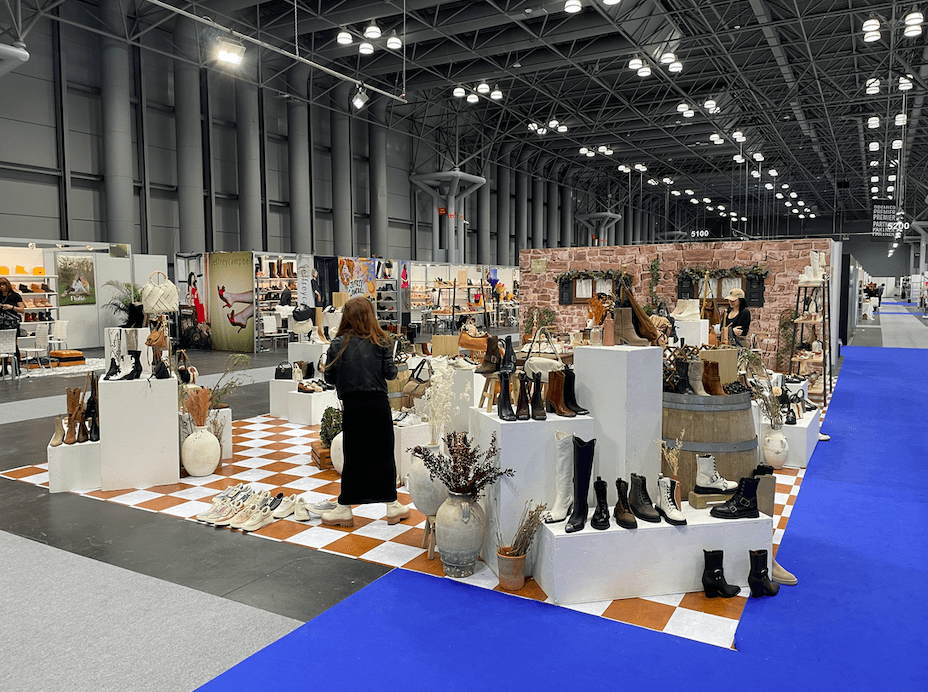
{"points": [[197, 403]]}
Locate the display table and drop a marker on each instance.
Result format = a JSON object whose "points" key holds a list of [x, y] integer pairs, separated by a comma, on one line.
{"points": [[280, 397], [125, 362], [652, 560], [307, 352], [74, 467], [621, 387], [528, 448], [138, 433], [694, 333], [307, 409]]}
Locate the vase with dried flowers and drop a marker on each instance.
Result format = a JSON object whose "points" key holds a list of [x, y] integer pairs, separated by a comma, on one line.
{"points": [[460, 521], [775, 446], [201, 451], [510, 558]]}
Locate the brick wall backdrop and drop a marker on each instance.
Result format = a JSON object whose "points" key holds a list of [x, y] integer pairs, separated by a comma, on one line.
{"points": [[785, 259]]}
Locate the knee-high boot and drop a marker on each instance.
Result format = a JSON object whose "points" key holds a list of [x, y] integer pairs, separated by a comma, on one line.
{"points": [[583, 469], [563, 475]]}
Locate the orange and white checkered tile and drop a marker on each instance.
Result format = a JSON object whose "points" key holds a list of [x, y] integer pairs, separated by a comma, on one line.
{"points": [[272, 454]]}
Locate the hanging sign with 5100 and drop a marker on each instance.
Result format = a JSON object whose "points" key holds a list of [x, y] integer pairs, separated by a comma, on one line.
{"points": [[887, 222]]}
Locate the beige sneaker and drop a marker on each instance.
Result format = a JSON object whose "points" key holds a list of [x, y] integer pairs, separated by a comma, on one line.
{"points": [[286, 507], [258, 519]]}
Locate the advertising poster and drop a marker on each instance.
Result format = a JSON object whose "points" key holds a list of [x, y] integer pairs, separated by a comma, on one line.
{"points": [[75, 280], [231, 304], [356, 276], [305, 265], [193, 319]]}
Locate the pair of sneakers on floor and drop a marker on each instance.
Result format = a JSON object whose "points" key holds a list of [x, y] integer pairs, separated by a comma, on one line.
{"points": [[241, 507]]}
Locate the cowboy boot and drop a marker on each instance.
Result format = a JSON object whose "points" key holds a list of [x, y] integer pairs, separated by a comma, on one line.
{"points": [[710, 378], [491, 358], [759, 579], [694, 374], [563, 476], [504, 403], [522, 409], [713, 576], [538, 404], [600, 519], [508, 364], [625, 329], [82, 434], [570, 393], [622, 513], [272, 270], [583, 468], [73, 397], [554, 397]]}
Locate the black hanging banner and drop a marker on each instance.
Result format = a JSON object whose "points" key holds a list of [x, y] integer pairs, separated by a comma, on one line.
{"points": [[884, 222]]}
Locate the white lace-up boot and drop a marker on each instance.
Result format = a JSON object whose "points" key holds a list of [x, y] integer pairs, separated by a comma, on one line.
{"points": [[667, 503], [708, 480]]}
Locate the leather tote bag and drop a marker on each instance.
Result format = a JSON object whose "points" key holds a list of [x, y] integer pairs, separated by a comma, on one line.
{"points": [[543, 363], [419, 381]]}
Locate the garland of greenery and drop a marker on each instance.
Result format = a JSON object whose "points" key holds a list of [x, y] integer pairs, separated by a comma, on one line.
{"points": [[611, 274], [697, 273], [655, 269]]}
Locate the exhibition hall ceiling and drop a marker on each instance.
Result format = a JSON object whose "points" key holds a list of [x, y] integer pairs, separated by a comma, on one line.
{"points": [[790, 76]]}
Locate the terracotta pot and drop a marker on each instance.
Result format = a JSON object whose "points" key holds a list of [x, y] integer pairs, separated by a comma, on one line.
{"points": [[511, 570]]}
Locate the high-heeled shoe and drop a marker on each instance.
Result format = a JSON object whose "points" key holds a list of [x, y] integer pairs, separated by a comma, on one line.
{"points": [[240, 325], [222, 296]]}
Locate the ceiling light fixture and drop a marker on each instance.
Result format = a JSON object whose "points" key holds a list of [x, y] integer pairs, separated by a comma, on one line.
{"points": [[459, 91], [644, 71], [668, 58], [872, 36], [873, 146], [901, 119], [675, 193], [757, 156], [483, 88], [394, 42], [871, 24], [372, 31], [755, 174], [497, 94], [583, 150], [873, 86], [768, 186], [635, 64], [366, 48], [897, 144], [675, 66], [229, 51], [681, 107], [914, 18], [873, 122], [359, 99], [573, 6], [472, 98], [905, 83], [912, 31], [689, 114], [344, 38], [560, 128]]}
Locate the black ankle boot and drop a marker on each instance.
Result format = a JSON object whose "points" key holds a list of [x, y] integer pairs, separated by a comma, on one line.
{"points": [[583, 468], [522, 408], [113, 371], [570, 393], [759, 579], [136, 370], [742, 505], [538, 402], [135, 316], [683, 377], [600, 518], [504, 403], [713, 577]]}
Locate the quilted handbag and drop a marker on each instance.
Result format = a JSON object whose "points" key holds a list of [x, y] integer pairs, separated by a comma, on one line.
{"points": [[284, 371], [159, 297], [418, 381], [542, 363]]}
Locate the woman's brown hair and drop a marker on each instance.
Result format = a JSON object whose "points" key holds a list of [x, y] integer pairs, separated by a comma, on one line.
{"points": [[360, 320], [6, 282]]}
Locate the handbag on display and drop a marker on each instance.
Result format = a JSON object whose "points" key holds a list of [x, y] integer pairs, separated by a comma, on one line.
{"points": [[301, 320], [474, 343], [159, 369], [284, 371], [185, 371], [542, 362], [419, 381], [158, 336], [9, 319], [159, 298]]}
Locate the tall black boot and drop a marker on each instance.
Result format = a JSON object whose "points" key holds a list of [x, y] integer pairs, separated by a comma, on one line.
{"points": [[600, 518], [135, 316], [522, 408], [583, 468], [759, 579], [508, 364], [683, 379], [713, 577], [92, 411], [570, 393], [742, 505], [538, 402], [504, 403], [136, 370]]}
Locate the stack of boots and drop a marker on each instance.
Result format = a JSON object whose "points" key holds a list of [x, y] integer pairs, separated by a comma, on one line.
{"points": [[708, 480], [563, 476], [625, 329], [58, 436], [491, 358], [115, 354], [713, 577], [667, 501], [609, 331], [554, 397], [538, 402], [74, 402], [504, 402], [742, 505], [522, 409], [640, 501], [623, 514], [710, 378], [508, 364], [132, 344], [683, 376], [583, 468], [758, 579], [570, 393], [600, 519], [695, 373]]}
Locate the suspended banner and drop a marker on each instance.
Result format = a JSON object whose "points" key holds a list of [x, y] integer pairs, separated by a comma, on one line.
{"points": [[885, 222], [356, 276]]}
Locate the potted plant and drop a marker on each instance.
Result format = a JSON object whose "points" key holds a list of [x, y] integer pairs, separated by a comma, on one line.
{"points": [[460, 522], [127, 295], [510, 558], [200, 452], [775, 445], [330, 427]]}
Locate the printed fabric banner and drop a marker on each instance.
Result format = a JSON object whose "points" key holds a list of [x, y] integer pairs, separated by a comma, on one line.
{"points": [[230, 276], [75, 280], [356, 276]]}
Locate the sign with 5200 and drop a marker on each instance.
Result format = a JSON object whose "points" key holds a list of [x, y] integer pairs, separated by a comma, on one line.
{"points": [[886, 222]]}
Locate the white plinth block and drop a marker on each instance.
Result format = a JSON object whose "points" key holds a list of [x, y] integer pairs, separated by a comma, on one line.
{"points": [[693, 333], [307, 352], [652, 560], [280, 397], [138, 434], [74, 467], [621, 387], [528, 448], [405, 439], [307, 409]]}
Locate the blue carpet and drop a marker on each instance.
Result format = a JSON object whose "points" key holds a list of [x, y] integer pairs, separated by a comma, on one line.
{"points": [[856, 540]]}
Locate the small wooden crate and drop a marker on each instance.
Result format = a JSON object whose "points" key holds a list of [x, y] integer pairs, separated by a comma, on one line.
{"points": [[322, 456]]}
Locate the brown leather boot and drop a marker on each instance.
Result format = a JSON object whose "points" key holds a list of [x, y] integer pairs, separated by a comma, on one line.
{"points": [[538, 406], [554, 397], [522, 409], [710, 378], [82, 434], [625, 330], [73, 399], [623, 512], [609, 331], [492, 357]]}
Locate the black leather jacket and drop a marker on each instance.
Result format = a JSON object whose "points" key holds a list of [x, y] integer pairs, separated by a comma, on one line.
{"points": [[363, 367]]}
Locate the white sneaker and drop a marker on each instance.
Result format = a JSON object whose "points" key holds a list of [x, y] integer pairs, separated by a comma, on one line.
{"points": [[666, 504], [286, 507], [409, 419], [220, 499], [340, 516], [396, 512], [301, 511], [255, 503], [258, 519]]}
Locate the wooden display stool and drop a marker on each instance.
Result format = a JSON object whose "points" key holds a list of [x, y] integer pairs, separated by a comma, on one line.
{"points": [[428, 537], [490, 392]]}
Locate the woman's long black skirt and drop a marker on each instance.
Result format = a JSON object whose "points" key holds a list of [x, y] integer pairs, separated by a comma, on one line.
{"points": [[369, 473]]}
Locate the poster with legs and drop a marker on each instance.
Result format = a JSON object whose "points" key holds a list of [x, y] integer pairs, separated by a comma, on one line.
{"points": [[231, 304]]}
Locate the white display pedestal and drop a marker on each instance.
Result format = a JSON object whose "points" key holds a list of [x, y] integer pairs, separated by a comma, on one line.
{"points": [[652, 560], [405, 439], [74, 467], [138, 433], [459, 384], [280, 397], [621, 387], [801, 437], [221, 429], [307, 352], [694, 333], [528, 448], [307, 409], [123, 356]]}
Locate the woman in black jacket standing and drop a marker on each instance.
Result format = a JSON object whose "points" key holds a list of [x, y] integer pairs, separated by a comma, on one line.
{"points": [[359, 362]]}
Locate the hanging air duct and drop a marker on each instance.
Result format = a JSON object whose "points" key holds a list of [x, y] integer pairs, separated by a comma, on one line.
{"points": [[12, 57]]}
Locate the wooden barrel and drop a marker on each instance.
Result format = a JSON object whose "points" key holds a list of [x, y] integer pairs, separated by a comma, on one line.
{"points": [[722, 426]]}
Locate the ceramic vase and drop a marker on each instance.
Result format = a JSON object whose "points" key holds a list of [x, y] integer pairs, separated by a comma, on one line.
{"points": [[427, 494], [459, 529], [337, 453], [200, 452], [776, 448]]}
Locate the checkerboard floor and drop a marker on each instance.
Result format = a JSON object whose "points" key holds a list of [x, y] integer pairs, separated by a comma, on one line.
{"points": [[272, 454]]}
